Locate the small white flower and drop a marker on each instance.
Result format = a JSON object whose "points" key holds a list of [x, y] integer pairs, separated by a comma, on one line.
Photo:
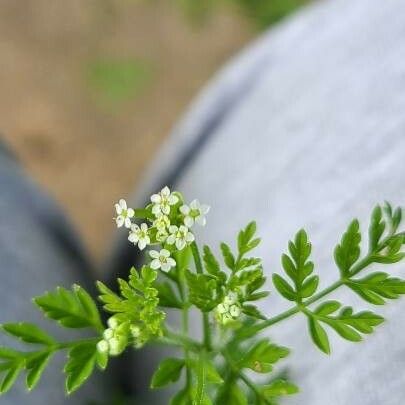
{"points": [[230, 298], [124, 214], [229, 309], [179, 236], [161, 260], [139, 235], [234, 311], [162, 201], [161, 223], [222, 308], [195, 212]]}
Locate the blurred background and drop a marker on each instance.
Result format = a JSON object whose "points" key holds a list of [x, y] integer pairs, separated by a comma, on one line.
{"points": [[90, 89]]}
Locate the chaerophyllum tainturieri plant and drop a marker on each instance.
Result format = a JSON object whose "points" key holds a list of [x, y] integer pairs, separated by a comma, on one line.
{"points": [[220, 368]]}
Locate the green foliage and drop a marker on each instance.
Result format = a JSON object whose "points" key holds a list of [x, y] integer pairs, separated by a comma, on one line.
{"points": [[167, 296], [244, 276], [29, 333], [393, 215], [205, 374], [212, 266], [261, 13], [71, 308], [347, 324], [80, 365], [217, 369], [299, 270], [137, 303], [261, 357], [168, 372], [279, 388], [205, 293], [234, 395], [348, 251], [377, 227], [35, 365], [377, 287]]}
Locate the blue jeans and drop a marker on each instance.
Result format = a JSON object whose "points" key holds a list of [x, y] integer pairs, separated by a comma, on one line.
{"points": [[38, 251]]}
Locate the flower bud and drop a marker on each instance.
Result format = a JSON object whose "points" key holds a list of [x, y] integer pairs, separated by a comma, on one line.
{"points": [[102, 346]]}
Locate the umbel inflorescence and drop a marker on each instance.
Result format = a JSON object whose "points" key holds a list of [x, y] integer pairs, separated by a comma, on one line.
{"points": [[177, 275]]}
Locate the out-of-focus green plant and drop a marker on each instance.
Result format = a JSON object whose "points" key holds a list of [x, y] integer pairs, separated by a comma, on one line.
{"points": [[262, 13], [114, 81], [267, 12]]}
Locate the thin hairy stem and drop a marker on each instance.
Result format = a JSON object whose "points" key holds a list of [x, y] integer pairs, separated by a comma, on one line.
{"points": [[206, 323], [174, 339], [181, 286]]}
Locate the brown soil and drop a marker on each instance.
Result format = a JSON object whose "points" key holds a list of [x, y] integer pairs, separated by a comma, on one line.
{"points": [[86, 155]]}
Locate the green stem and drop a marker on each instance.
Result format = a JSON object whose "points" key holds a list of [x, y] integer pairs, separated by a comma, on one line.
{"points": [[251, 385], [68, 345], [174, 339], [181, 285], [206, 323]]}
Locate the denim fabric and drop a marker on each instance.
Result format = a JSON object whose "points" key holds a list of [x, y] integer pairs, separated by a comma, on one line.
{"points": [[38, 250]]}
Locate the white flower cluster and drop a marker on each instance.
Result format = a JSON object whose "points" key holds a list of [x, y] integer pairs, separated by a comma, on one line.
{"points": [[115, 338], [170, 225], [229, 309]]}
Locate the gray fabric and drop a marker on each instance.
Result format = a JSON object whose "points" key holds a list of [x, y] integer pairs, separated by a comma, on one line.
{"points": [[38, 251], [317, 139]]}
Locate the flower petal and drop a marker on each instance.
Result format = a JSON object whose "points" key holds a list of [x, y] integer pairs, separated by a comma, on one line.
{"points": [[164, 253], [118, 209], [123, 204], [156, 199], [166, 267], [128, 223], [195, 205], [173, 229], [171, 262], [180, 244], [165, 209], [133, 237], [142, 244], [201, 220], [171, 239], [154, 254], [189, 222], [190, 237], [165, 191], [173, 199], [119, 221], [185, 209], [156, 210], [204, 208], [155, 264], [130, 212]]}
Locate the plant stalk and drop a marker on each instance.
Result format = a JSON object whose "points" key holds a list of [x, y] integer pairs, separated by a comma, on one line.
{"points": [[206, 323]]}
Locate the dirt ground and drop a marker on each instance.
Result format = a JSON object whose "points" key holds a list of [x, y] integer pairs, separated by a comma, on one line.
{"points": [[84, 154]]}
